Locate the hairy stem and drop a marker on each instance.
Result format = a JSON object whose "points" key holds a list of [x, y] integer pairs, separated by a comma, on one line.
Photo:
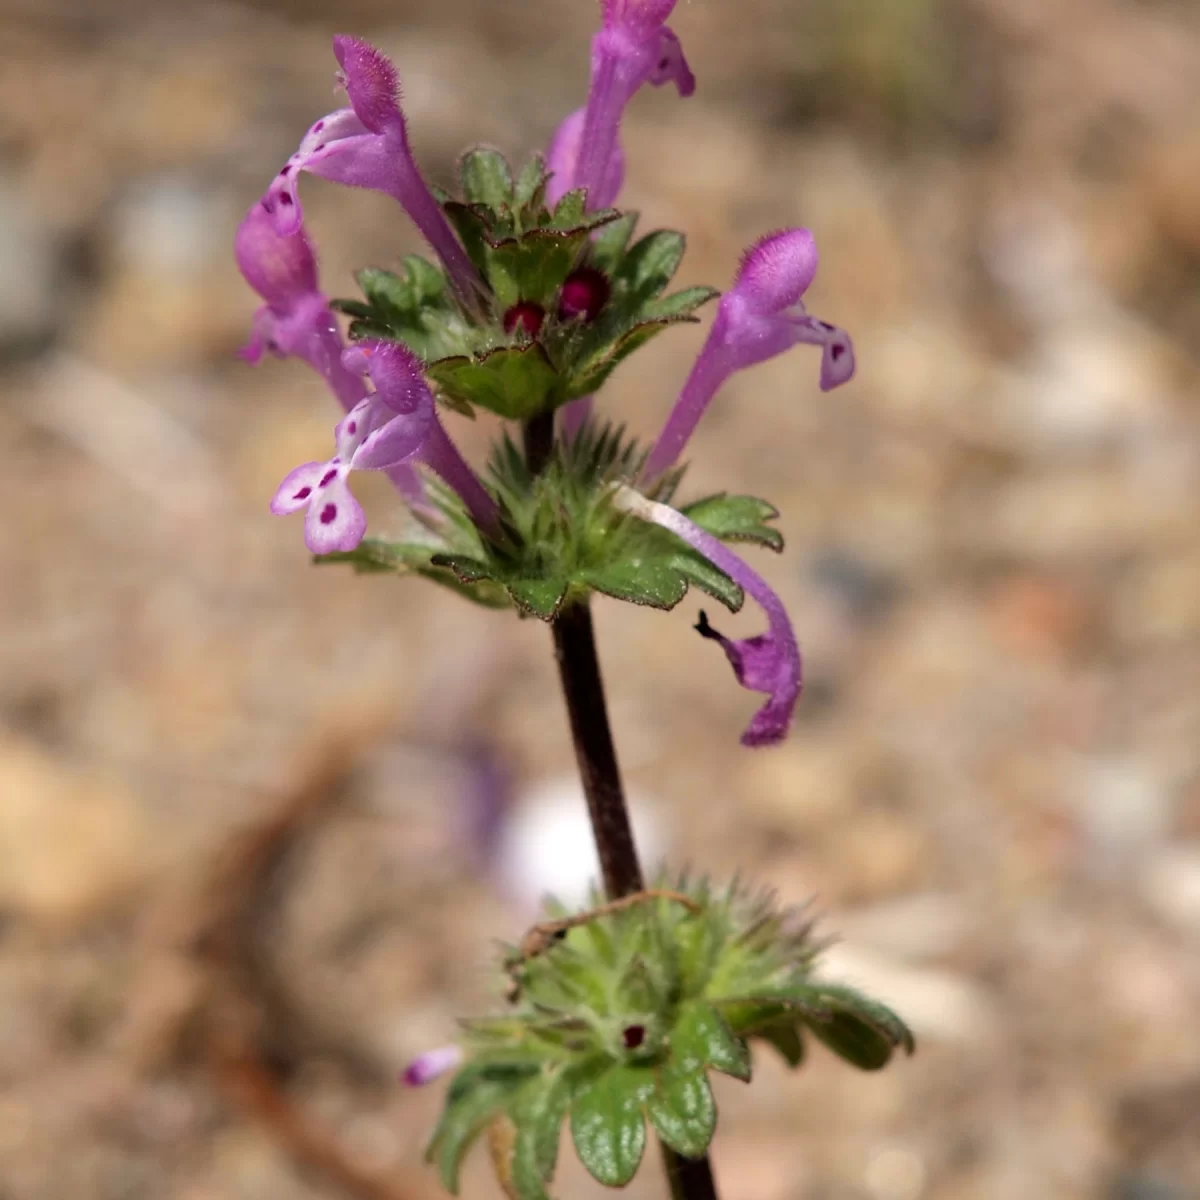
{"points": [[538, 433], [583, 690]]}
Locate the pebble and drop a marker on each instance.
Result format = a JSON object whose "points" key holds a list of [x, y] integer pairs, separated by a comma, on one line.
{"points": [[72, 842], [1170, 884], [940, 1005], [30, 302]]}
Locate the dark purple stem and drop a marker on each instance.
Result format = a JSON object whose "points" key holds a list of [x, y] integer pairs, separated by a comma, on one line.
{"points": [[596, 754]]}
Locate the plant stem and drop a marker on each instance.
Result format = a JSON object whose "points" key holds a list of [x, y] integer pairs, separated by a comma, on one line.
{"points": [[538, 434], [689, 1178], [583, 688]]}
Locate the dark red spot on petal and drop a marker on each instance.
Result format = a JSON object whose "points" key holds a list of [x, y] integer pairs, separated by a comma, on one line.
{"points": [[284, 198], [318, 148], [286, 169], [352, 428], [303, 494], [328, 477], [633, 1036], [268, 207], [318, 126], [825, 325], [328, 514], [837, 352]]}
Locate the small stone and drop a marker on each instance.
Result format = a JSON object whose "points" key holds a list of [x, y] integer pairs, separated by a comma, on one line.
{"points": [[27, 272], [917, 928], [938, 1004], [1123, 807], [71, 843], [877, 854], [1170, 883], [546, 847], [801, 785]]}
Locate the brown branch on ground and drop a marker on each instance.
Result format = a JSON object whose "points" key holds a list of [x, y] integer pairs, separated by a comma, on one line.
{"points": [[231, 1010]]}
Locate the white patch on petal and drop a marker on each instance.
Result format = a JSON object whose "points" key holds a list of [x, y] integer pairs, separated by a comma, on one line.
{"points": [[335, 519], [297, 489]]}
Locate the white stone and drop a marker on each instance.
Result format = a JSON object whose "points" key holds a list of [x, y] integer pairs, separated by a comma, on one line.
{"points": [[546, 848]]}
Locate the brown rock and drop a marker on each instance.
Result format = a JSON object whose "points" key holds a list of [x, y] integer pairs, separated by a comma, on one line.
{"points": [[71, 842]]}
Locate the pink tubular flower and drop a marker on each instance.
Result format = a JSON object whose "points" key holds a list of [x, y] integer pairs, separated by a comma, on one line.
{"points": [[425, 1068], [633, 48], [296, 320], [769, 662], [399, 379], [759, 317], [366, 145], [371, 436], [562, 157]]}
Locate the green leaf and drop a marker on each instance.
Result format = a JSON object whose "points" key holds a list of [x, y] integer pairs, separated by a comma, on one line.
{"points": [[546, 1118], [599, 363], [467, 569], [410, 306], [385, 289], [609, 243], [649, 264], [751, 1016], [486, 178], [654, 584], [425, 280], [695, 568], [528, 1182], [373, 556], [540, 598], [607, 1125], [513, 381], [701, 1038], [682, 1110], [680, 304], [861, 1030], [736, 519], [786, 1039], [531, 184], [353, 308], [471, 225], [478, 1093], [534, 266], [569, 212]]}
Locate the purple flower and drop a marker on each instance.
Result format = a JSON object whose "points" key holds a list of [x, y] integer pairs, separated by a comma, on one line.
{"points": [[562, 158], [768, 662], [576, 415], [296, 320], [428, 1066], [399, 379], [633, 48], [759, 317], [366, 145], [371, 436]]}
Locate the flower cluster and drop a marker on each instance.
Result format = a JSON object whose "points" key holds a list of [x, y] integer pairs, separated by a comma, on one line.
{"points": [[538, 296], [619, 1016]]}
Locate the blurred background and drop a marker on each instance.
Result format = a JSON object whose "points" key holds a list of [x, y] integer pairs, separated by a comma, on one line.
{"points": [[261, 823]]}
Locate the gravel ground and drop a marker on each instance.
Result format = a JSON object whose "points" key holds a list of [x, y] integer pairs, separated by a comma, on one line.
{"points": [[236, 886]]}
